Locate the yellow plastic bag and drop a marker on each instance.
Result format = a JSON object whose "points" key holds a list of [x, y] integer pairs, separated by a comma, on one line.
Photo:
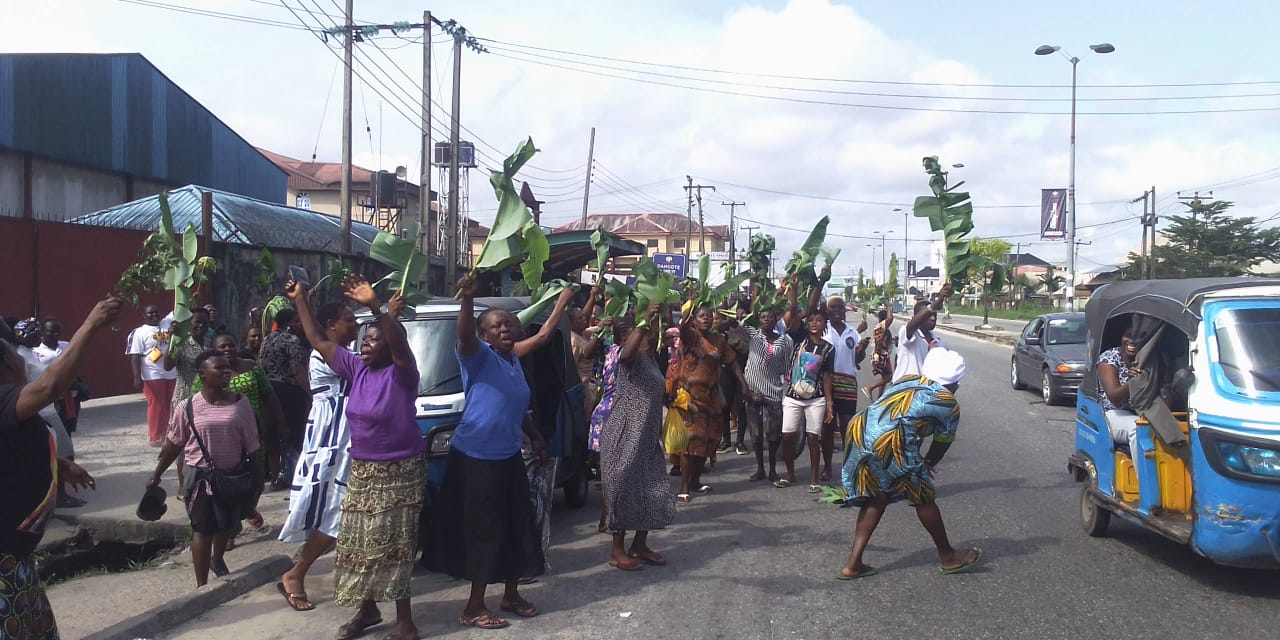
{"points": [[674, 437]]}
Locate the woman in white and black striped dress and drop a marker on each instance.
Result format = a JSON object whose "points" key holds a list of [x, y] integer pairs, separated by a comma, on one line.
{"points": [[320, 478]]}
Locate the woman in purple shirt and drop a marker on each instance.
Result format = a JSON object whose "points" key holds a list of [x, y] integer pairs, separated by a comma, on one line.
{"points": [[484, 525], [378, 535]]}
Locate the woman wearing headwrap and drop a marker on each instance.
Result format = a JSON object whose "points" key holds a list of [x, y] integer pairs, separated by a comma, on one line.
{"points": [[883, 461], [698, 361]]}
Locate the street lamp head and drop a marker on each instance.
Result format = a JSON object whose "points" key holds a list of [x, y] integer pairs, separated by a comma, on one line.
{"points": [[1046, 50], [897, 209], [1105, 47], [958, 165]]}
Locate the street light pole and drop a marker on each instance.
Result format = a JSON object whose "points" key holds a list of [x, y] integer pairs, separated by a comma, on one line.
{"points": [[1044, 50], [903, 267]]}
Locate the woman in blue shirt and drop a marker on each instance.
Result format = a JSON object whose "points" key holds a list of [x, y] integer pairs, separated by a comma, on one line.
{"points": [[484, 526]]}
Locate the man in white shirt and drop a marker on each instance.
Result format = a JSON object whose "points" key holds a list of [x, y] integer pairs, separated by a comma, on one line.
{"points": [[146, 350], [917, 338], [850, 348]]}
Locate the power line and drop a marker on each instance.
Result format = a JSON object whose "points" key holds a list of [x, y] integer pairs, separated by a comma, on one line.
{"points": [[886, 82], [216, 14], [887, 204], [832, 103], [880, 94]]}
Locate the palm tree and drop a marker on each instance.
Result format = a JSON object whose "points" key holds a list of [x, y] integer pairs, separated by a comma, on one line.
{"points": [[995, 281], [1051, 281], [1024, 286]]}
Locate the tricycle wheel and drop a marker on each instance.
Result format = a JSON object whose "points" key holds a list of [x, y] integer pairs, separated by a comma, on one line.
{"points": [[576, 489], [1093, 518]]}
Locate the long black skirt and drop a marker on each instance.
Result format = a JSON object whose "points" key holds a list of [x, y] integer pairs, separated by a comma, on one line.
{"points": [[483, 523]]}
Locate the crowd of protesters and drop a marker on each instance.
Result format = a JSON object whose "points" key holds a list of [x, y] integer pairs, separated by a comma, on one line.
{"points": [[289, 405]]}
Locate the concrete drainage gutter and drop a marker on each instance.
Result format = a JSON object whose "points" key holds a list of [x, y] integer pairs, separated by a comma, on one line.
{"points": [[191, 605]]}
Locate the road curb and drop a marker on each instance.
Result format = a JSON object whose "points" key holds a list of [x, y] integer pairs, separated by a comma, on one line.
{"points": [[1004, 339], [184, 608], [104, 529]]}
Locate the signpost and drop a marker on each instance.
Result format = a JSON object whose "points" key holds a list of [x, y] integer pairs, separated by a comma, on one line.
{"points": [[673, 263]]}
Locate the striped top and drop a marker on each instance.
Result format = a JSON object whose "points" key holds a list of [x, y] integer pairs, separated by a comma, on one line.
{"points": [[228, 432], [768, 363]]}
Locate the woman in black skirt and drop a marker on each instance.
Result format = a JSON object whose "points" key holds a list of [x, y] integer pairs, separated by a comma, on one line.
{"points": [[484, 526]]}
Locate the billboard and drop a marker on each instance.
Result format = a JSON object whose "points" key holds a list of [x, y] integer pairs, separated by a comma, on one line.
{"points": [[673, 263], [1053, 214]]}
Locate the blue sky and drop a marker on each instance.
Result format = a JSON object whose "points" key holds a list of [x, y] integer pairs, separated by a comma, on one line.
{"points": [[272, 86]]}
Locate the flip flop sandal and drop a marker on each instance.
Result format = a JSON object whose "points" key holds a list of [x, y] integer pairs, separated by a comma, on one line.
{"points": [[485, 620], [870, 571], [527, 580], [634, 566], [813, 488], [654, 560], [355, 627], [782, 484], [964, 567], [297, 601], [524, 609], [683, 498], [706, 488]]}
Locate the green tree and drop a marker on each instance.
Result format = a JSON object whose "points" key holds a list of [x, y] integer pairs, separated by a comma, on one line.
{"points": [[892, 288], [994, 282], [1208, 243], [1025, 286], [1051, 281]]}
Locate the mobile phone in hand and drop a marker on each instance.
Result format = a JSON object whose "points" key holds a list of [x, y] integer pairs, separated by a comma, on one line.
{"points": [[299, 275]]}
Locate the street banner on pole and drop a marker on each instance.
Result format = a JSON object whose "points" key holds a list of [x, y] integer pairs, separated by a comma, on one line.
{"points": [[1053, 215], [672, 263], [911, 268]]}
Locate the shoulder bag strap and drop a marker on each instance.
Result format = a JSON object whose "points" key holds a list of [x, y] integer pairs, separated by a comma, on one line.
{"points": [[191, 419]]}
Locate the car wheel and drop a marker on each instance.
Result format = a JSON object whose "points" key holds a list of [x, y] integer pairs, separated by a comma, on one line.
{"points": [[576, 489], [1047, 391], [1093, 518], [1015, 380]]}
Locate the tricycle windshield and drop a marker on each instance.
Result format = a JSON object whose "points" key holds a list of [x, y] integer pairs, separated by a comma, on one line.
{"points": [[1066, 331], [434, 343], [1248, 348]]}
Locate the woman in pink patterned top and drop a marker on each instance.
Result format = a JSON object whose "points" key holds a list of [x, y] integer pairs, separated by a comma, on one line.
{"points": [[227, 427]]}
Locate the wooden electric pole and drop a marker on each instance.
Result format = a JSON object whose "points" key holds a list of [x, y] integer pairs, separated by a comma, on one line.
{"points": [[344, 226], [696, 190], [733, 256], [426, 242]]}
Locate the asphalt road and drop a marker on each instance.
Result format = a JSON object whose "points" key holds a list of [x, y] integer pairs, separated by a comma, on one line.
{"points": [[752, 561]]}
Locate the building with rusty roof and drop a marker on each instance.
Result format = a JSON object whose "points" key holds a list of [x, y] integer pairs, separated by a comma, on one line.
{"points": [[317, 186], [658, 232]]}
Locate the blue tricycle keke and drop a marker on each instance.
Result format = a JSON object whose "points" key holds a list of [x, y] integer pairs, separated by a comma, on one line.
{"points": [[1207, 403]]}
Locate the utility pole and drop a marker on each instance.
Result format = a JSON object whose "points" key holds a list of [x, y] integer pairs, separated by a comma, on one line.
{"points": [[425, 219], [344, 226], [1151, 250], [451, 228], [696, 191], [586, 191], [688, 230], [1146, 216], [733, 256]]}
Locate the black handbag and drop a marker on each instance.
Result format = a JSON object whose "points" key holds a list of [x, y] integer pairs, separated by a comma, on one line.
{"points": [[231, 488]]}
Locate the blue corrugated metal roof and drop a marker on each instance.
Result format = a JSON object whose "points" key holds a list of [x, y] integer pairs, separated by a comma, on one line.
{"points": [[238, 220], [118, 112]]}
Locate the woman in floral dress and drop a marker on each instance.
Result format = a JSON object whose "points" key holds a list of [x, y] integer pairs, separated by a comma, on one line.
{"points": [[637, 493]]}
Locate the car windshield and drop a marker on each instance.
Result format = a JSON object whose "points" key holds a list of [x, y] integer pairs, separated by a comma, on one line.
{"points": [[1248, 343], [1065, 331], [433, 342]]}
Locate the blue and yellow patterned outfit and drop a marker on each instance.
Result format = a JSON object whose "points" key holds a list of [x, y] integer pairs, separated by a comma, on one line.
{"points": [[882, 450]]}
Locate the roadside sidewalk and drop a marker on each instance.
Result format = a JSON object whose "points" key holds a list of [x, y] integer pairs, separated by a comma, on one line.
{"points": [[111, 443]]}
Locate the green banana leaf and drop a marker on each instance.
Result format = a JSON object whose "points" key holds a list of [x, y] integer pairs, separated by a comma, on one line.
{"points": [[545, 295], [505, 245], [600, 242], [538, 250], [402, 255], [269, 312], [619, 298], [951, 212]]}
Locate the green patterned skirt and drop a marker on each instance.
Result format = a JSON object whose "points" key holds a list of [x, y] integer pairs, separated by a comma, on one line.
{"points": [[378, 535]]}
